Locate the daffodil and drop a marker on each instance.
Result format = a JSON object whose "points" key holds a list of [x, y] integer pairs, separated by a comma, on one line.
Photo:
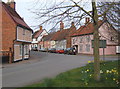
{"points": [[90, 75], [117, 81], [114, 70], [89, 61], [88, 70], [114, 79], [110, 71], [107, 71], [101, 71], [86, 83]]}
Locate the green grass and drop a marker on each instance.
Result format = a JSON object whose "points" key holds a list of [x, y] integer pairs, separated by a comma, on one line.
{"points": [[83, 77]]}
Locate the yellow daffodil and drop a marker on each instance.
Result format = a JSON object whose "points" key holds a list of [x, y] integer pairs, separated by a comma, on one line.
{"points": [[89, 61], [110, 71], [86, 83], [88, 70], [107, 71], [101, 71], [114, 79], [90, 75]]}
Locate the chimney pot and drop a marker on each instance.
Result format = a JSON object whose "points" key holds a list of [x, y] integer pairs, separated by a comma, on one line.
{"points": [[40, 27], [61, 25], [11, 3]]}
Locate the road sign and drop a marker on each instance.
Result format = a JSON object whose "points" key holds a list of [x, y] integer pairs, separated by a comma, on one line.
{"points": [[102, 43]]}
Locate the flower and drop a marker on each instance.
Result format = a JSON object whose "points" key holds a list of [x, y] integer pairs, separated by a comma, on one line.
{"points": [[106, 78], [110, 71], [107, 71], [117, 81], [86, 83], [114, 79], [101, 71], [114, 70], [88, 70], [89, 61], [90, 75]]}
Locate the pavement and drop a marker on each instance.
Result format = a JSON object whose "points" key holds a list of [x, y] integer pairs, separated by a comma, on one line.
{"points": [[42, 65]]}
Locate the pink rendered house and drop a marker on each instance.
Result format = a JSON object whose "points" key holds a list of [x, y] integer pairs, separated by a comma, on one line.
{"points": [[82, 38]]}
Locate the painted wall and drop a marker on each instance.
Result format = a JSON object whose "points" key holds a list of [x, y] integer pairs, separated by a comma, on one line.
{"points": [[61, 44], [24, 34], [85, 45]]}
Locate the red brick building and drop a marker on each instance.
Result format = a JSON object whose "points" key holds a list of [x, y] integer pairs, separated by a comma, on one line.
{"points": [[16, 34]]}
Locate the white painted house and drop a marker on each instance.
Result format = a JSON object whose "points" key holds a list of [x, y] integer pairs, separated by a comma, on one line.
{"points": [[37, 36]]}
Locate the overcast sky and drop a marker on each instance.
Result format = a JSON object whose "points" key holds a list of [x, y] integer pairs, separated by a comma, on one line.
{"points": [[23, 6]]}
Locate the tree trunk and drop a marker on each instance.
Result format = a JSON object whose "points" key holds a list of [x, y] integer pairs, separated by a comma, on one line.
{"points": [[96, 43]]}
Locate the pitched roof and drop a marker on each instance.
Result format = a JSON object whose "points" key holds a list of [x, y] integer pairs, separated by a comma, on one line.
{"points": [[15, 16], [86, 29], [37, 33], [49, 36]]}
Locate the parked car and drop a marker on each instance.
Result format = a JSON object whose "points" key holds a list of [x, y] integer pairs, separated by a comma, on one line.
{"points": [[34, 49], [52, 50], [42, 50], [60, 51], [71, 51]]}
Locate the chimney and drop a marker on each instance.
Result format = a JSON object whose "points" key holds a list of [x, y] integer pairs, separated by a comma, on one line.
{"points": [[72, 24], [11, 3], [40, 27], [61, 25], [87, 20]]}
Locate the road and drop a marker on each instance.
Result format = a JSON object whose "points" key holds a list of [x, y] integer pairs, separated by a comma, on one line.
{"points": [[40, 66]]}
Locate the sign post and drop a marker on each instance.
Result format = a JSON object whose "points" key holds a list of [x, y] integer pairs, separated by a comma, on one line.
{"points": [[102, 44]]}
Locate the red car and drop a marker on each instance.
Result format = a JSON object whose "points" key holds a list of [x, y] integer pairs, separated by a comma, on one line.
{"points": [[60, 51]]}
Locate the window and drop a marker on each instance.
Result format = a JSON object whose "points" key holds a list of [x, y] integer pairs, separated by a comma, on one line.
{"points": [[87, 38], [81, 47], [88, 47], [81, 39], [26, 49], [73, 41], [23, 31], [20, 49]]}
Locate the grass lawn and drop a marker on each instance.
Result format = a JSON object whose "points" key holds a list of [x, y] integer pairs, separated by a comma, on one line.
{"points": [[83, 77]]}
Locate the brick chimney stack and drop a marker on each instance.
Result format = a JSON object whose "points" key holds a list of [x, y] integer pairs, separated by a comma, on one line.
{"points": [[72, 26], [61, 25], [11, 3]]}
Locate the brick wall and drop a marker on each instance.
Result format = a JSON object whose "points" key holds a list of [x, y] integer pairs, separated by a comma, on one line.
{"points": [[8, 31]]}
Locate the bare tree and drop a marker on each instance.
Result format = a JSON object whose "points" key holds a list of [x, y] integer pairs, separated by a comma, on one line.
{"points": [[76, 10]]}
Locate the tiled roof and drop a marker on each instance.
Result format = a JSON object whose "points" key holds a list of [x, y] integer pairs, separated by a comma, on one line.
{"points": [[85, 29], [37, 33], [59, 35], [48, 37], [15, 16]]}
